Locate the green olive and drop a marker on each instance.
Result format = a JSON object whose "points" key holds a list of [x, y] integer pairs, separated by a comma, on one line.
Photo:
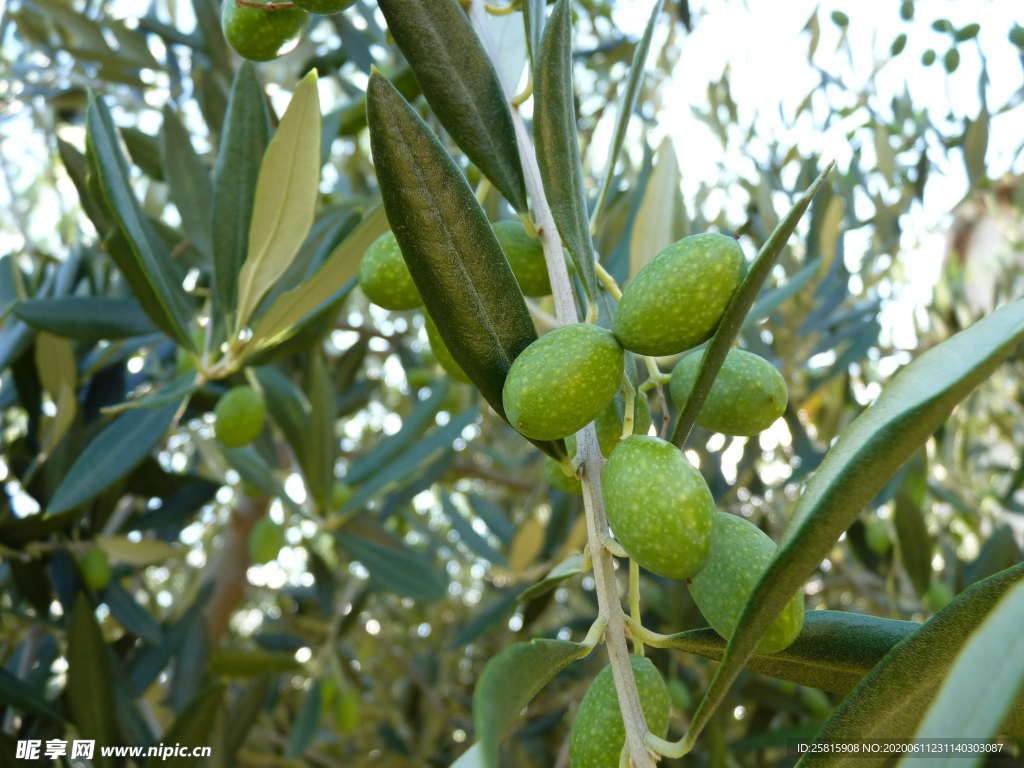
{"points": [[259, 34]]}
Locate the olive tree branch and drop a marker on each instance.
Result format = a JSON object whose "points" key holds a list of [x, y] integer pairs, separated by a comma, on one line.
{"points": [[608, 600]]}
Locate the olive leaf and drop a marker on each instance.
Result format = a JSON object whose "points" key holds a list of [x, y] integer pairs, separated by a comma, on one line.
{"points": [[456, 262], [556, 134], [507, 684], [911, 407], [461, 86], [285, 200], [892, 700]]}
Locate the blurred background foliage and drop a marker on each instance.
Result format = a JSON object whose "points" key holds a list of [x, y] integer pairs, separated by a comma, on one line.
{"points": [[328, 595]]}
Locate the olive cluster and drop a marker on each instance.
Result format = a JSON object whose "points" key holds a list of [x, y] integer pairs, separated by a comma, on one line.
{"points": [[658, 505], [261, 30]]}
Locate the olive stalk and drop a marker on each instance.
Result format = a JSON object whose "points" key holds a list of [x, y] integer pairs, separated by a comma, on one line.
{"points": [[608, 600]]}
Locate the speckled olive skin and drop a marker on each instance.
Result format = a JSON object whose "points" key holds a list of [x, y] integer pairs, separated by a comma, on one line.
{"points": [[740, 553], [562, 381], [609, 423], [598, 733], [384, 276], [239, 414], [659, 507], [748, 395], [324, 7], [525, 255], [256, 34], [444, 357], [676, 300]]}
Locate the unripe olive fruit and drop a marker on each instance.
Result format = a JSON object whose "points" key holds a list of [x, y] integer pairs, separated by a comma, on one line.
{"points": [[740, 554], [342, 495], [562, 381], [659, 507], [557, 477], [259, 34], [265, 541], [876, 533], [324, 7], [938, 596], [676, 300], [419, 377], [597, 732], [95, 568], [525, 255], [240, 414], [384, 276], [609, 423], [748, 395], [440, 350]]}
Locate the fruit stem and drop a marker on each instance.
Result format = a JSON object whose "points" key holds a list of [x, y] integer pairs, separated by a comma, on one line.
{"points": [[629, 405], [500, 10], [609, 283], [634, 604], [589, 452]]}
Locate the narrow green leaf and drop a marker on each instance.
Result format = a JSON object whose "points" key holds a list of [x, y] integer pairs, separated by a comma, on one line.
{"points": [[411, 461], [891, 701], [915, 544], [461, 86], [413, 425], [286, 194], [571, 566], [86, 318], [112, 454], [626, 106], [557, 137], [911, 407], [454, 257], [132, 616], [304, 727], [144, 151], [58, 373], [150, 255], [243, 715], [195, 725], [834, 651], [26, 699], [244, 140], [735, 313], [654, 225], [188, 179], [977, 694], [476, 543], [89, 688], [288, 310], [322, 447], [403, 571], [533, 22], [509, 681], [288, 407]]}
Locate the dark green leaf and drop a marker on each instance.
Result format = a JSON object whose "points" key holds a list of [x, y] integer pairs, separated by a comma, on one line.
{"points": [[495, 518], [1000, 551], [194, 726], [915, 545], [403, 571], [132, 616], [86, 318], [304, 727], [322, 444], [890, 702], [834, 651], [112, 454], [243, 715], [571, 566], [89, 689], [188, 180], [461, 86], [912, 406], [473, 541], [244, 139], [735, 314], [507, 684], [288, 407], [25, 698], [144, 151], [149, 254], [455, 260], [557, 137]]}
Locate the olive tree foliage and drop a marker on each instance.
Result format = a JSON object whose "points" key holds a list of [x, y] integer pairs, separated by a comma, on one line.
{"points": [[389, 573]]}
